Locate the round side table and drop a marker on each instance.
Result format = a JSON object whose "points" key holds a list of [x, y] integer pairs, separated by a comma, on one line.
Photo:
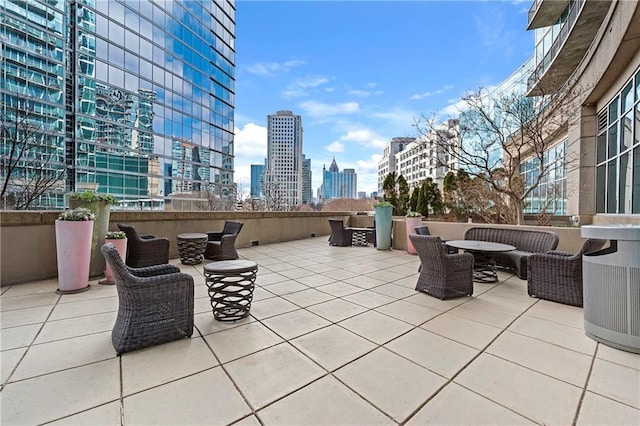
{"points": [[231, 284], [191, 247]]}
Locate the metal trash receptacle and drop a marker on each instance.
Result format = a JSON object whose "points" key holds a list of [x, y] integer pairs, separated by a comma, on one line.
{"points": [[611, 279]]}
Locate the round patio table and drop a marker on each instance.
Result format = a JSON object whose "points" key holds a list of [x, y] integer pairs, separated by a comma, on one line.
{"points": [[484, 262], [231, 284]]}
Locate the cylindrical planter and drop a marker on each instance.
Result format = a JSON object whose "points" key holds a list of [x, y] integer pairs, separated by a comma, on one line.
{"points": [[73, 248], [102, 211], [121, 246], [410, 224], [384, 221]]}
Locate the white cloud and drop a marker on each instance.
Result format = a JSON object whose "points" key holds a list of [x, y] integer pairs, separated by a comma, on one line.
{"points": [[364, 137], [320, 109], [335, 146], [364, 93], [300, 87], [428, 94], [268, 69], [251, 140]]}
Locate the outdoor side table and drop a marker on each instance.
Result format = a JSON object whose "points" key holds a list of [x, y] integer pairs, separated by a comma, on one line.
{"points": [[191, 247], [484, 263], [231, 284]]}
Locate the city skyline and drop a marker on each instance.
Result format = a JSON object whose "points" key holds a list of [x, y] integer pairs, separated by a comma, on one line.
{"points": [[356, 75]]}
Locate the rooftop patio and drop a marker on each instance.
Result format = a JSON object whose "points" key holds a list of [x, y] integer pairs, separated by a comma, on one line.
{"points": [[337, 335]]}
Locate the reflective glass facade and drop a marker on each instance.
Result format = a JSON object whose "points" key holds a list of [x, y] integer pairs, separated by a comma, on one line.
{"points": [[138, 95], [338, 184], [550, 195]]}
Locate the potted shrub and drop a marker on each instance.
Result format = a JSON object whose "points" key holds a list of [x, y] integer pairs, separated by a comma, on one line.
{"points": [[99, 204], [384, 222], [411, 221], [119, 240], [74, 229]]}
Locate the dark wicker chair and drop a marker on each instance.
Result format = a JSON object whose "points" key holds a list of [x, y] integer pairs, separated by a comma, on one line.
{"points": [[442, 275], [424, 230], [155, 304], [340, 236], [557, 275], [222, 245], [144, 250]]}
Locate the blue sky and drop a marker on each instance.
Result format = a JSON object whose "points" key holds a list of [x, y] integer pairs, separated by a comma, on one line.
{"points": [[359, 72]]}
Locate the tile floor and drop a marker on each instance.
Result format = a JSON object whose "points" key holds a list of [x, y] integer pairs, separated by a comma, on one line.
{"points": [[337, 335]]}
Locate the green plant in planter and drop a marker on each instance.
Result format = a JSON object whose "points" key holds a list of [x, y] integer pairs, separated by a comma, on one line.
{"points": [[115, 235], [383, 203], [411, 213], [90, 197], [79, 214]]}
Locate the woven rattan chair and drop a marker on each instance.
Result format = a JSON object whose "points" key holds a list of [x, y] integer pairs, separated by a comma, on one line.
{"points": [[442, 275], [222, 245], [144, 250], [557, 275], [424, 230], [155, 304], [340, 236]]}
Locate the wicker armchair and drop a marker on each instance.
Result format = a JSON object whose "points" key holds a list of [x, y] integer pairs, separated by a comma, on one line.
{"points": [[340, 236], [222, 245], [155, 304], [442, 275], [557, 275], [144, 250], [424, 230]]}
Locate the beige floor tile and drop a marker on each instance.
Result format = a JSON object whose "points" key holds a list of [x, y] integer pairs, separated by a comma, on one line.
{"points": [[45, 286], [375, 326], [50, 397], [207, 324], [271, 307], [505, 304], [391, 383], [485, 312], [339, 274], [431, 302], [597, 410], [455, 405], [408, 312], [384, 275], [296, 273], [8, 361], [287, 371], [332, 347], [28, 301], [616, 382], [260, 293], [202, 305], [336, 310], [240, 341], [544, 400], [552, 332], [405, 270], [62, 354], [394, 290], [564, 364], [146, 368], [434, 352], [408, 282], [73, 327], [97, 291], [338, 289], [24, 316], [205, 398], [285, 287], [512, 290], [296, 323], [308, 297], [320, 268], [248, 421], [369, 299], [472, 333], [108, 414], [324, 402], [315, 280], [618, 356], [85, 307], [368, 281], [572, 316], [270, 278], [18, 337]]}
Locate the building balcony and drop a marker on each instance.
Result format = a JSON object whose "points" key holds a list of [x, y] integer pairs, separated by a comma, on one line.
{"points": [[569, 48], [544, 13]]}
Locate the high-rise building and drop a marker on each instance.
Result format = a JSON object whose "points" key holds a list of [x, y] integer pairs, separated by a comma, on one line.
{"points": [[135, 98], [307, 193], [257, 178], [283, 176], [387, 163], [338, 184]]}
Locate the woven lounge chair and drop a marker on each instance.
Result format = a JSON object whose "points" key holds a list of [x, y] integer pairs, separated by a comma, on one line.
{"points": [[144, 250], [557, 275], [155, 304], [442, 275], [222, 245], [340, 236]]}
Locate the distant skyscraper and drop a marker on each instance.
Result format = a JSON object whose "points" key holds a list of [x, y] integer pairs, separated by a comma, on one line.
{"points": [[135, 97], [387, 163], [337, 184], [307, 194], [257, 177], [283, 176]]}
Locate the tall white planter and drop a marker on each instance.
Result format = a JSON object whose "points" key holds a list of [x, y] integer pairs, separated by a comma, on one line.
{"points": [[73, 248], [121, 246]]}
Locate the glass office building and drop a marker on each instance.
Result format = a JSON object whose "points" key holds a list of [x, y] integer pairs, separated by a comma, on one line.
{"points": [[132, 98]]}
